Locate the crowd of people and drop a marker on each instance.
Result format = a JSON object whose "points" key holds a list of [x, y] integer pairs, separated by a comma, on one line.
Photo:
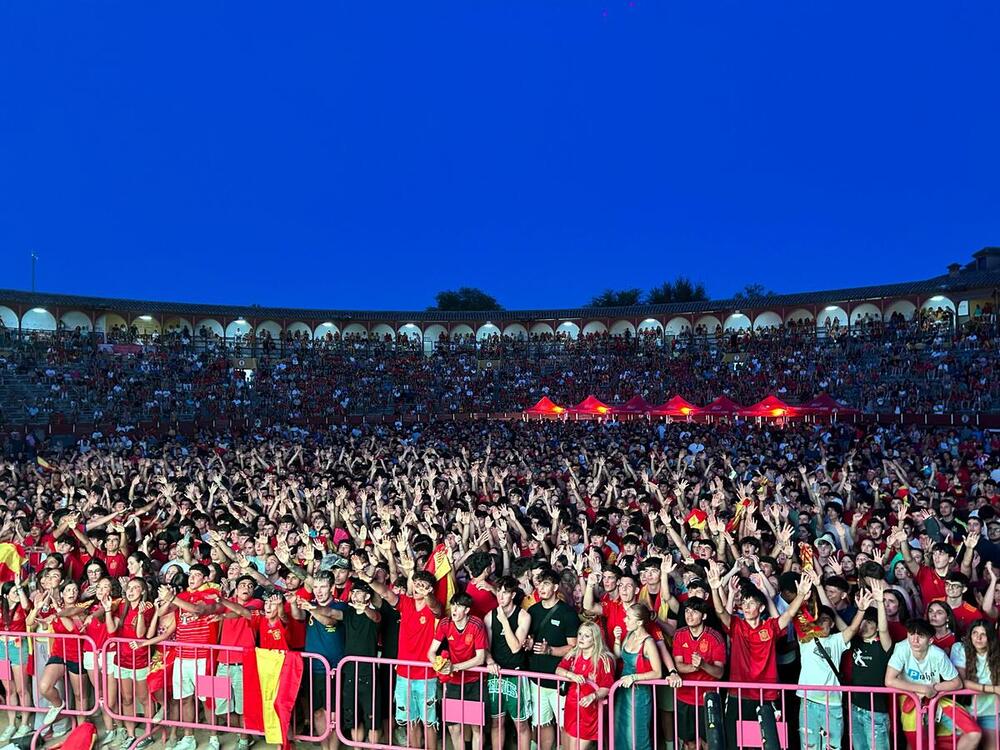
{"points": [[814, 555], [925, 365]]}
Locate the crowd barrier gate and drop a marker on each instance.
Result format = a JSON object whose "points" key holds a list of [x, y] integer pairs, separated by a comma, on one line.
{"points": [[982, 708]]}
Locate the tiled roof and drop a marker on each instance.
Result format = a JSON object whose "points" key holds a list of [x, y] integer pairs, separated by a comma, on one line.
{"points": [[965, 280]]}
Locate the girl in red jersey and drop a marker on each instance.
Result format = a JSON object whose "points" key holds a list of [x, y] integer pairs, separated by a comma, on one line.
{"points": [[66, 655], [589, 663], [131, 667], [14, 609], [942, 619]]}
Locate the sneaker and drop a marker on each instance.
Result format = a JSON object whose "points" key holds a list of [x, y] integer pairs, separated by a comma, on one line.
{"points": [[144, 742], [22, 731], [213, 743], [51, 715], [243, 744], [6, 734], [125, 741], [158, 716], [187, 742]]}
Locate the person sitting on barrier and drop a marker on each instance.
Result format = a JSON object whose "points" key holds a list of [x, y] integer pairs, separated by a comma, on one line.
{"points": [[981, 646], [14, 608], [507, 627], [918, 666], [587, 663]]}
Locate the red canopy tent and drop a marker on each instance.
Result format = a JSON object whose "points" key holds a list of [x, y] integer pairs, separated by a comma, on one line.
{"points": [[544, 408], [678, 406], [770, 406], [823, 405], [721, 407], [635, 405], [592, 407]]}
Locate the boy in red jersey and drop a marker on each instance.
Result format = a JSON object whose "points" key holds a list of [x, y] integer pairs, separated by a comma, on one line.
{"points": [[466, 639], [699, 656], [753, 637]]}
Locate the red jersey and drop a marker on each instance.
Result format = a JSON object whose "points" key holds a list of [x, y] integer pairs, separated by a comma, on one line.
{"points": [[462, 645], [117, 564], [67, 649], [196, 629], [239, 632], [753, 656], [97, 627], [272, 635], [416, 633], [614, 617], [930, 583], [483, 602], [965, 615], [711, 646], [944, 642], [581, 721], [127, 657]]}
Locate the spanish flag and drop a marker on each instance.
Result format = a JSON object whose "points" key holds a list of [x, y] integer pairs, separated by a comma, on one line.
{"points": [[440, 565], [271, 681], [43, 464], [696, 519], [11, 559]]}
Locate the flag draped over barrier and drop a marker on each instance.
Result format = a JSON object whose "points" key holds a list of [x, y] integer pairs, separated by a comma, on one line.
{"points": [[271, 681]]}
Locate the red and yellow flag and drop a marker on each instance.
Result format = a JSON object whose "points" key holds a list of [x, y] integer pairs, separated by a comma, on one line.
{"points": [[270, 686], [12, 557], [43, 464], [696, 519], [439, 564]]}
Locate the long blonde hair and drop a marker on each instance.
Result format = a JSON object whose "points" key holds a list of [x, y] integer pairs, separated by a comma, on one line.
{"points": [[598, 652]]}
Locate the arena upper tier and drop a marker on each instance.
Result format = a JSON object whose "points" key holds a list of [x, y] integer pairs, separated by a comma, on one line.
{"points": [[963, 294]]}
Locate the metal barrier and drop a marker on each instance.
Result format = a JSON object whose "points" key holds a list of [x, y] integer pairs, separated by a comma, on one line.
{"points": [[171, 679], [699, 713], [59, 679], [960, 709], [539, 707]]}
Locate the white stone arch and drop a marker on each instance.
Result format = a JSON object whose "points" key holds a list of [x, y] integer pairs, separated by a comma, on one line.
{"points": [[107, 321], [355, 329], [516, 331], [211, 325], [461, 330], [865, 310], [9, 318], [902, 306], [75, 319], [271, 328], [835, 313], [767, 319], [651, 324], [433, 332], [147, 325], [594, 327], [300, 330], [325, 329], [677, 326], [620, 327], [238, 327], [799, 314], [570, 328], [486, 330], [710, 322], [541, 329], [938, 302], [411, 331], [737, 322], [382, 330], [38, 319], [178, 324]]}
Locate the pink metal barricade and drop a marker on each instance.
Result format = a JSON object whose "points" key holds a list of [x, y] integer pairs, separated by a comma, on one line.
{"points": [[744, 715], [59, 672], [174, 682], [372, 697], [964, 710]]}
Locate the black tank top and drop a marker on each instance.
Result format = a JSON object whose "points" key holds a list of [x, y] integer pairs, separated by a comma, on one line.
{"points": [[499, 649]]}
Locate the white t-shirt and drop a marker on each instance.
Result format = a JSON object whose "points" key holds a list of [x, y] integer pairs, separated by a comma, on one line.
{"points": [[816, 671], [935, 667], [984, 704]]}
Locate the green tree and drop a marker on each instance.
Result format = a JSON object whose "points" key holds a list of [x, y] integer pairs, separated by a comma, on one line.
{"points": [[617, 298], [682, 289], [465, 299], [752, 291]]}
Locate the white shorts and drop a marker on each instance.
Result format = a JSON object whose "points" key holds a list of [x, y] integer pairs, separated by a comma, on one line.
{"points": [[235, 674], [548, 706], [186, 674], [90, 661], [130, 675]]}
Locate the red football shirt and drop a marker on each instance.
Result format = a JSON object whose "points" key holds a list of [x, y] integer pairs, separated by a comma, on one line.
{"points": [[416, 633], [483, 602], [753, 656], [273, 635], [930, 583], [462, 644], [711, 646]]}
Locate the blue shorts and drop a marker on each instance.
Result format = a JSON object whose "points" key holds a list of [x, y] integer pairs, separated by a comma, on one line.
{"points": [[14, 650], [416, 701]]}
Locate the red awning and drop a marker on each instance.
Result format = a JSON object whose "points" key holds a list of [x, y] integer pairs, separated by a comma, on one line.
{"points": [[824, 404], [545, 407], [635, 405], [678, 406], [591, 406], [770, 406], [721, 407]]}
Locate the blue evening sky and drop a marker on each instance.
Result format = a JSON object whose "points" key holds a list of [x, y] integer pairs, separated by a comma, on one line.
{"points": [[368, 154]]}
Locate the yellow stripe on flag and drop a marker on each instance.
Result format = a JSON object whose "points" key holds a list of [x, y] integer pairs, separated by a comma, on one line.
{"points": [[11, 559], [269, 664]]}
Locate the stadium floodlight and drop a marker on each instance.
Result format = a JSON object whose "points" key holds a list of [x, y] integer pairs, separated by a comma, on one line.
{"points": [[145, 317], [39, 310]]}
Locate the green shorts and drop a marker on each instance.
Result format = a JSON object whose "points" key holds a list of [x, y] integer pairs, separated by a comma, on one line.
{"points": [[509, 696]]}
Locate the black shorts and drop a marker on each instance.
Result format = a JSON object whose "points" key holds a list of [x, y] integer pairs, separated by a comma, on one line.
{"points": [[313, 691], [71, 666], [686, 721], [360, 698], [469, 691]]}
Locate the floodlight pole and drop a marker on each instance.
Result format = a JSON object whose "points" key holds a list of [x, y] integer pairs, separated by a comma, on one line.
{"points": [[34, 259]]}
